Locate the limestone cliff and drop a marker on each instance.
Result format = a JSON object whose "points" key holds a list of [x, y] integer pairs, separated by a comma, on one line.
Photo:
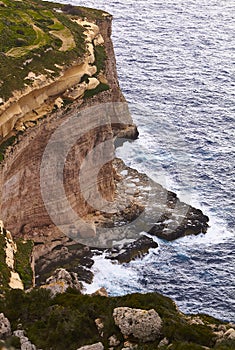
{"points": [[34, 113]]}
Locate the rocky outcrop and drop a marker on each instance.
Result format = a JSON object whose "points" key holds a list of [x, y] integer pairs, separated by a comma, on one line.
{"points": [[224, 333], [229, 334], [75, 258], [133, 250], [102, 292], [61, 280], [194, 222], [5, 327], [24, 341], [144, 325], [159, 211]]}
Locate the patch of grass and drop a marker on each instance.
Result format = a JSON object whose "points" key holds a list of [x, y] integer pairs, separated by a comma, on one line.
{"points": [[23, 262], [26, 43], [101, 87], [4, 269], [9, 142], [13, 342], [57, 25], [226, 345], [100, 57]]}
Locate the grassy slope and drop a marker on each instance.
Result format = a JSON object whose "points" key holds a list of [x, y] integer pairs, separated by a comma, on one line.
{"points": [[31, 40], [68, 320], [40, 37]]}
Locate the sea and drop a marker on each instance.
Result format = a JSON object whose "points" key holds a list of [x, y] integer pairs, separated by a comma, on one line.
{"points": [[176, 68]]}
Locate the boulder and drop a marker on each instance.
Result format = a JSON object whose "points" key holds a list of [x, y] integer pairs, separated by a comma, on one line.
{"points": [[97, 346], [145, 325], [5, 327], [100, 326]]}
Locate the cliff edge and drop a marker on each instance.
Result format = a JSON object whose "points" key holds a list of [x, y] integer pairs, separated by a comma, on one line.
{"points": [[59, 88]]}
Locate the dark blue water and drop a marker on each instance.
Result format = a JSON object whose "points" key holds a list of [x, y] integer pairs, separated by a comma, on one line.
{"points": [[176, 65]]}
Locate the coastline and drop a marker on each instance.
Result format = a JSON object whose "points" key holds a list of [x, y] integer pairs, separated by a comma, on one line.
{"points": [[166, 217]]}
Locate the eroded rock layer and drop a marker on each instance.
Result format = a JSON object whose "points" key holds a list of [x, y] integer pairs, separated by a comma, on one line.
{"points": [[22, 206]]}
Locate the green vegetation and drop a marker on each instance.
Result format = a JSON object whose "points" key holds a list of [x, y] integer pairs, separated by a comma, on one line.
{"points": [[42, 37], [101, 87], [12, 342], [23, 263], [68, 320], [5, 145], [4, 269], [37, 36], [100, 57]]}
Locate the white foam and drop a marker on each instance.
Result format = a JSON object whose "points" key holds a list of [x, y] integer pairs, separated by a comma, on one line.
{"points": [[117, 279]]}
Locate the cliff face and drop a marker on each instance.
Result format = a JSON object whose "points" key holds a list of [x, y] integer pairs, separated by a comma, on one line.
{"points": [[22, 207]]}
